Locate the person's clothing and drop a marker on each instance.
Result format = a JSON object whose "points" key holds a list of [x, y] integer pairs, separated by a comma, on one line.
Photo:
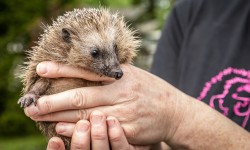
{"points": [[204, 51]]}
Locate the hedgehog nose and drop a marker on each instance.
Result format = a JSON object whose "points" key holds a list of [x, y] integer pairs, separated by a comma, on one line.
{"points": [[118, 74]]}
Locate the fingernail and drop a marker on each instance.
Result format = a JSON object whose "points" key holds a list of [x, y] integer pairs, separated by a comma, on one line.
{"points": [[32, 110], [111, 122], [60, 128], [97, 118], [82, 127], [41, 68], [54, 145]]}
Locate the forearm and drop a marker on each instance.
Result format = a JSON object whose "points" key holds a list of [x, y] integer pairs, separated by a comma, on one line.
{"points": [[204, 128]]}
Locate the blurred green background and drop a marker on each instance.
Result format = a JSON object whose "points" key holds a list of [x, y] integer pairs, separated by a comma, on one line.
{"points": [[20, 23]]}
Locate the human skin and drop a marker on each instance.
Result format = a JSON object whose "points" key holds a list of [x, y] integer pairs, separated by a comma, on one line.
{"points": [[149, 110], [103, 132]]}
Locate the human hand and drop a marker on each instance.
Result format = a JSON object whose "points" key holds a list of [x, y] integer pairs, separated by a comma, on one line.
{"points": [[101, 132], [145, 105]]}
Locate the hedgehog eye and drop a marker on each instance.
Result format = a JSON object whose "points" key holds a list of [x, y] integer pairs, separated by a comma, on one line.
{"points": [[95, 52]]}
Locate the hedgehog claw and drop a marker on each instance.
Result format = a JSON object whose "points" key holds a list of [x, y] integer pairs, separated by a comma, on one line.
{"points": [[27, 100]]}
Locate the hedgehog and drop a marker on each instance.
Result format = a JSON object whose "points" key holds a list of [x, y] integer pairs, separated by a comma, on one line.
{"points": [[90, 38]]}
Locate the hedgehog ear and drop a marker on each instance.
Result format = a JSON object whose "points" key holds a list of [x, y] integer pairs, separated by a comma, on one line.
{"points": [[67, 34]]}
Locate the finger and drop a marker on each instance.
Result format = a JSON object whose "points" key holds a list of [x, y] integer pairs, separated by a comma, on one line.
{"points": [[63, 116], [75, 115], [81, 136], [99, 137], [116, 134], [51, 69], [65, 128], [55, 143], [80, 98]]}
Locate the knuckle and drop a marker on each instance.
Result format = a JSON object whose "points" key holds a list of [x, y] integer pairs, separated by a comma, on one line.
{"points": [[49, 117], [56, 68], [48, 105], [131, 93], [100, 136], [82, 114], [45, 105], [126, 95], [115, 137], [78, 99], [131, 112], [78, 145], [131, 133], [99, 133]]}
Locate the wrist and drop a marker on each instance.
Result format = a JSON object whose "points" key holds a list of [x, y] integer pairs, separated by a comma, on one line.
{"points": [[185, 121], [178, 110]]}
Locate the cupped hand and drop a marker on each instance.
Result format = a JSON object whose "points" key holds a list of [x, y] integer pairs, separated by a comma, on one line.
{"points": [[100, 133], [145, 105]]}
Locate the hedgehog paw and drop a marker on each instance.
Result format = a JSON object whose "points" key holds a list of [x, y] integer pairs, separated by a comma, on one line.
{"points": [[27, 99]]}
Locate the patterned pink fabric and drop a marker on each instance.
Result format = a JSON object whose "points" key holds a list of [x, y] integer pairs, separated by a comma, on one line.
{"points": [[234, 77]]}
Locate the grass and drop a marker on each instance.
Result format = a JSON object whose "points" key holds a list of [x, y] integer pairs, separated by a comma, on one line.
{"points": [[23, 143]]}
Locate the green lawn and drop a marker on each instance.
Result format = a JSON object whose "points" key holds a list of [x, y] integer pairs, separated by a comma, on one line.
{"points": [[23, 143]]}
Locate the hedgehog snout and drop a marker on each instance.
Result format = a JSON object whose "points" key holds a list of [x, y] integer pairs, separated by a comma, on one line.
{"points": [[118, 74]]}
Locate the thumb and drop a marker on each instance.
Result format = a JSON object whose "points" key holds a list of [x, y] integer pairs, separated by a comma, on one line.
{"points": [[49, 69]]}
